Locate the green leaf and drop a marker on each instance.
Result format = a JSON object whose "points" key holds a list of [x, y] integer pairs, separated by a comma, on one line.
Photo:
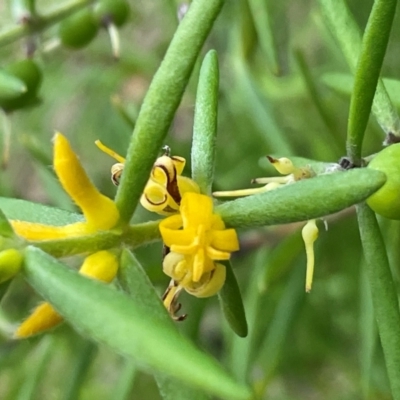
{"points": [[162, 100], [271, 348], [231, 302], [261, 12], [5, 228], [10, 86], [134, 280], [373, 49], [384, 293], [116, 320], [302, 200], [32, 212], [343, 27], [343, 84], [205, 123]]}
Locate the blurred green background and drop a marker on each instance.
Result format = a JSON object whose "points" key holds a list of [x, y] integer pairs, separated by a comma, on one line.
{"points": [[322, 345]]}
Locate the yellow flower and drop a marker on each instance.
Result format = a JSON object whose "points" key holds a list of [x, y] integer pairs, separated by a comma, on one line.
{"points": [[197, 238], [99, 211], [102, 266], [285, 167], [199, 234], [165, 187]]}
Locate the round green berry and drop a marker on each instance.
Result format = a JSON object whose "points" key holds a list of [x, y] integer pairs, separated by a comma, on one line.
{"points": [[112, 11], [78, 30], [386, 201], [31, 75]]}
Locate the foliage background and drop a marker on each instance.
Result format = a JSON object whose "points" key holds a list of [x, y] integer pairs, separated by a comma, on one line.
{"points": [[320, 345]]}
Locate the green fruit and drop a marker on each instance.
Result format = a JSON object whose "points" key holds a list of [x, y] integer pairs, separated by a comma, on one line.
{"points": [[386, 201], [112, 11], [79, 30], [11, 87], [29, 73]]}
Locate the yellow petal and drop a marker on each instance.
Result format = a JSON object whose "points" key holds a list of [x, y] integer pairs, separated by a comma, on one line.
{"points": [[213, 284], [36, 232], [175, 266], [283, 165], [187, 185], [99, 211], [196, 209], [310, 235], [44, 317], [110, 152], [225, 240], [102, 265], [179, 163]]}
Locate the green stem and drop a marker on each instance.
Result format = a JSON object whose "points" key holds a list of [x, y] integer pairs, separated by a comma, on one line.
{"points": [[369, 65], [135, 236], [384, 296], [42, 22], [162, 100]]}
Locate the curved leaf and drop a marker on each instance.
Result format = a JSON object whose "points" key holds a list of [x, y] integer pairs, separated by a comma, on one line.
{"points": [[303, 200], [232, 304], [125, 326]]}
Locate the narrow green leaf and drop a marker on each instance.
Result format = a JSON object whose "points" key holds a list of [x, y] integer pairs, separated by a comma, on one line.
{"points": [[303, 200], [32, 212], [122, 112], [125, 326], [343, 27], [334, 143], [85, 354], [126, 380], [10, 86], [162, 100], [368, 333], [3, 289], [343, 83], [205, 123], [261, 12], [231, 302], [373, 49], [135, 281], [5, 228], [29, 388], [384, 294], [284, 316], [35, 148]]}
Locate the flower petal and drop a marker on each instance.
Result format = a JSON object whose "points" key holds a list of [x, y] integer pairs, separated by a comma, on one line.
{"points": [[102, 265], [100, 211], [196, 209], [44, 317], [225, 240], [35, 232]]}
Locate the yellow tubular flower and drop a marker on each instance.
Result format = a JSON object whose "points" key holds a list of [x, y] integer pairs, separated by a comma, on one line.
{"points": [[199, 233], [310, 235], [292, 174], [99, 211], [102, 266], [165, 187]]}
